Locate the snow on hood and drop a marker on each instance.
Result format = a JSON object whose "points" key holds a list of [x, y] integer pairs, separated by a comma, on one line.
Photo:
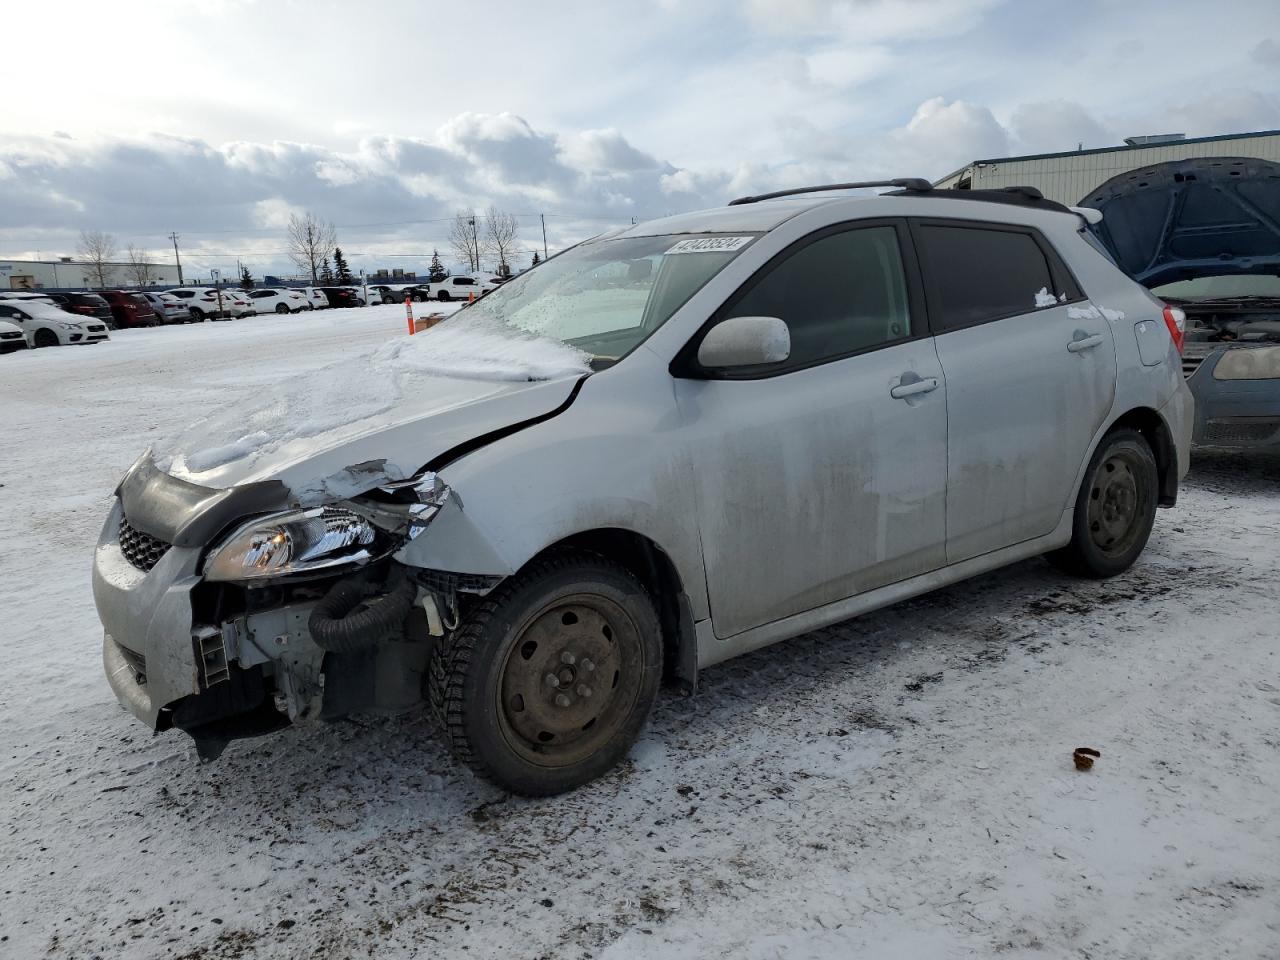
{"points": [[446, 367]]}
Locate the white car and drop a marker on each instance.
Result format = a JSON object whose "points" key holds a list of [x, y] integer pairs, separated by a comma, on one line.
{"points": [[278, 300], [44, 325], [458, 288], [28, 295], [203, 303], [315, 297], [11, 337], [241, 305], [168, 308]]}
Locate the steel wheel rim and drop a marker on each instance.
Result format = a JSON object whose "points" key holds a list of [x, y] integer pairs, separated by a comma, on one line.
{"points": [[1117, 503], [590, 647]]}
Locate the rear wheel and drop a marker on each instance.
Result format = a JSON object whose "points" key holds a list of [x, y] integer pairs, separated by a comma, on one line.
{"points": [[197, 315], [550, 679], [1115, 509], [46, 338], [443, 295]]}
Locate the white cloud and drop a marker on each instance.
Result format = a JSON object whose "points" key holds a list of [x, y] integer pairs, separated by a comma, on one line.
{"points": [[274, 212]]}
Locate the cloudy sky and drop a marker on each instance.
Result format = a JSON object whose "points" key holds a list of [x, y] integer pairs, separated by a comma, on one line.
{"points": [[218, 118]]}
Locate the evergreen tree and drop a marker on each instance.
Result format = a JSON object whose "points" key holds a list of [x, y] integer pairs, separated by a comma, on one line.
{"points": [[341, 272], [435, 273], [536, 259], [326, 273], [246, 279]]}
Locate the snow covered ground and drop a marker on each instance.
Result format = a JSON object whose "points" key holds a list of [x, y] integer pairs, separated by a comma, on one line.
{"points": [[897, 786]]}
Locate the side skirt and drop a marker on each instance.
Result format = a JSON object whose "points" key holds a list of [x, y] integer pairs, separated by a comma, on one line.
{"points": [[713, 650]]}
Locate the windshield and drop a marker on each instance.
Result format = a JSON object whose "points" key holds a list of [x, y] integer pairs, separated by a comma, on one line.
{"points": [[605, 298]]}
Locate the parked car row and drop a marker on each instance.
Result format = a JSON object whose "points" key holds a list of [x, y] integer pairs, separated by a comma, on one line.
{"points": [[33, 318]]}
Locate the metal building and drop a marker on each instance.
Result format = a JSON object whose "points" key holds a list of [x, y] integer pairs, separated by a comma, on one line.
{"points": [[66, 272], [1070, 177]]}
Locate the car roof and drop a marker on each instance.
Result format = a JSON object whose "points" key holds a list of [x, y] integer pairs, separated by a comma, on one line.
{"points": [[751, 217], [768, 214]]}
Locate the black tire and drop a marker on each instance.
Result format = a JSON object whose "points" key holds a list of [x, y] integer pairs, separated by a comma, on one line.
{"points": [[197, 315], [282, 308], [1115, 508], [443, 296], [46, 338], [574, 618]]}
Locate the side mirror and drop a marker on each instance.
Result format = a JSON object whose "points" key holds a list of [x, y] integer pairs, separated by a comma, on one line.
{"points": [[745, 342]]}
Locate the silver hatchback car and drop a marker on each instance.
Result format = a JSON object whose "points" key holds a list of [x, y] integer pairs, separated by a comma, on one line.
{"points": [[657, 450]]}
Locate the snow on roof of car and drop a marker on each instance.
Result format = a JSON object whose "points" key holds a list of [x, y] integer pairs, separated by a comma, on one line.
{"points": [[48, 311]]}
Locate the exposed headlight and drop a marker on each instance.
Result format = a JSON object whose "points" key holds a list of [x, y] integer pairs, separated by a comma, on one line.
{"points": [[1249, 363], [70, 327], [298, 541]]}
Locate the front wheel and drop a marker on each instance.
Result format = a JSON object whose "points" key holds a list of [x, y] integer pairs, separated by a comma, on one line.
{"points": [[443, 296], [1115, 509], [46, 338], [550, 679]]}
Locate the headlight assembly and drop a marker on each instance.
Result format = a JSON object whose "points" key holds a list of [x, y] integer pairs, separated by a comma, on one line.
{"points": [[1249, 363], [299, 541]]}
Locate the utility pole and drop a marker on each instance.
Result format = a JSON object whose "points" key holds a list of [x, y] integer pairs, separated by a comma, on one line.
{"points": [[543, 218], [174, 238]]}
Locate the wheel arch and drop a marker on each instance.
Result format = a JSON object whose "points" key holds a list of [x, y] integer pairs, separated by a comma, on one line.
{"points": [[1153, 427], [654, 568]]}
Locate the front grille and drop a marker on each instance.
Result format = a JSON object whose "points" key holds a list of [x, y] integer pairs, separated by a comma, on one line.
{"points": [[1241, 430], [140, 549], [1190, 365]]}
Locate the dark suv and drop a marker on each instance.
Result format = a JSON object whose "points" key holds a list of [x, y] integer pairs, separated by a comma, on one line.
{"points": [[341, 296], [130, 309], [86, 305]]}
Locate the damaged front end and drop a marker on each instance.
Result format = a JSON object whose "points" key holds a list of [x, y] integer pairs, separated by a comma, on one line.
{"points": [[227, 627]]}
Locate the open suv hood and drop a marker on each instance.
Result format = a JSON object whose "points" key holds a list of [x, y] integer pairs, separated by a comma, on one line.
{"points": [[1205, 216]]}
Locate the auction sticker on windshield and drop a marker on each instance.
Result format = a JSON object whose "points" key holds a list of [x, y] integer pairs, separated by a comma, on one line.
{"points": [[710, 245]]}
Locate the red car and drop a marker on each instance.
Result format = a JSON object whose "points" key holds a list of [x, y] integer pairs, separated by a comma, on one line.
{"points": [[130, 309]]}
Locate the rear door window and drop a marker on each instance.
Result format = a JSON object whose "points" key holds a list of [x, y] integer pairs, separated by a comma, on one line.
{"points": [[975, 273]]}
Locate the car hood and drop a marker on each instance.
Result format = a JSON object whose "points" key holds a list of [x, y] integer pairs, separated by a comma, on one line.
{"points": [[321, 459], [1206, 216]]}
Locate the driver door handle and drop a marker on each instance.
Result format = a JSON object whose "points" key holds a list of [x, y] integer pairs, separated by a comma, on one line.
{"points": [[1085, 343], [904, 390]]}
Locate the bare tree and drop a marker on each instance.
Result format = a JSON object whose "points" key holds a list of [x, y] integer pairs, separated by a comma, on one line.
{"points": [[98, 250], [500, 230], [466, 240], [311, 240], [138, 267]]}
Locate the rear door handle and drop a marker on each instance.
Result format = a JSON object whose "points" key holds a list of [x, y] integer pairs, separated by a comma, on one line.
{"points": [[904, 390], [1085, 343]]}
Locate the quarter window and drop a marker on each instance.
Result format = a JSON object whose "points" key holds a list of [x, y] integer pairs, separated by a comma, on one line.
{"points": [[839, 294], [977, 274]]}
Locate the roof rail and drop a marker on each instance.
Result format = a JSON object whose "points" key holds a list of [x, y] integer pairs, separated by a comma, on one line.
{"points": [[1017, 196], [902, 183]]}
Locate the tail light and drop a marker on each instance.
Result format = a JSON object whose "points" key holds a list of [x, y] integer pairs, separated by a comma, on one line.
{"points": [[1176, 320]]}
